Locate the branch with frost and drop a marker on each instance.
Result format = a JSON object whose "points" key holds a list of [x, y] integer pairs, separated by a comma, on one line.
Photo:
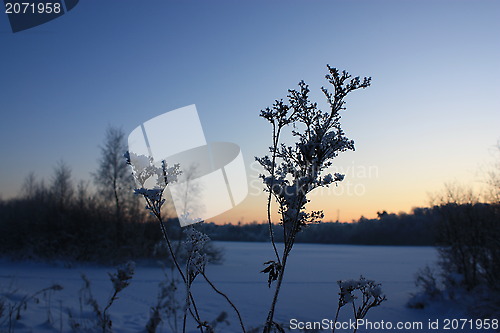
{"points": [[145, 171], [195, 265], [293, 171], [367, 291]]}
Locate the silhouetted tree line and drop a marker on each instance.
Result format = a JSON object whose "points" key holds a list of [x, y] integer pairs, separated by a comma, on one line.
{"points": [[452, 227], [65, 222], [61, 220], [76, 225], [417, 228]]}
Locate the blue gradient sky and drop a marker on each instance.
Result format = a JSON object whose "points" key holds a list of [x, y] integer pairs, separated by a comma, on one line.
{"points": [[431, 115]]}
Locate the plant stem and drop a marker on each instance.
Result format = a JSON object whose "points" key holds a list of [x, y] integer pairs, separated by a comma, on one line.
{"points": [[196, 315], [227, 299], [276, 135], [104, 315], [270, 317], [355, 316], [336, 318], [156, 210]]}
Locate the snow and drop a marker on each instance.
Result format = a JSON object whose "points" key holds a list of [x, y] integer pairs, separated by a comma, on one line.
{"points": [[309, 291]]}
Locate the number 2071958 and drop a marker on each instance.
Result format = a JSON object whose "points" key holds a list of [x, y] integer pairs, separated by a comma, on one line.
{"points": [[32, 8]]}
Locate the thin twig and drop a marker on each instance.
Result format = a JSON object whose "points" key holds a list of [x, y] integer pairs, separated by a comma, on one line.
{"points": [[227, 299], [336, 317], [157, 213], [276, 135]]}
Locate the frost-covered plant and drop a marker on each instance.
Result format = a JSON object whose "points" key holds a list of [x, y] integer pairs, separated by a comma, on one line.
{"points": [[220, 319], [293, 171], [367, 292], [195, 244], [120, 280], [196, 261], [146, 172], [16, 303], [47, 295], [102, 320], [214, 254], [167, 306]]}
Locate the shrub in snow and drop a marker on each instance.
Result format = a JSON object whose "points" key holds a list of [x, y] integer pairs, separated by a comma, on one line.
{"points": [[469, 253], [293, 171], [428, 283]]}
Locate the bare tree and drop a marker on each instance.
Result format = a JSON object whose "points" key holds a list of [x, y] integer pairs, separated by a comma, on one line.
{"points": [[62, 189], [493, 177], [456, 193], [113, 177], [34, 189], [29, 186]]}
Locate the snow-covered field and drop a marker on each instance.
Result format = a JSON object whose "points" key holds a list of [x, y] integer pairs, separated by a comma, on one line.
{"points": [[309, 290]]}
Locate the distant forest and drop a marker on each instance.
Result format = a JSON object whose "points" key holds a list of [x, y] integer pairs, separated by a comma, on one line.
{"points": [[64, 219], [82, 227], [418, 228]]}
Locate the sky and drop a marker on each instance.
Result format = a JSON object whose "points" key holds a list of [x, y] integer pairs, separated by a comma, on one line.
{"points": [[431, 116]]}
